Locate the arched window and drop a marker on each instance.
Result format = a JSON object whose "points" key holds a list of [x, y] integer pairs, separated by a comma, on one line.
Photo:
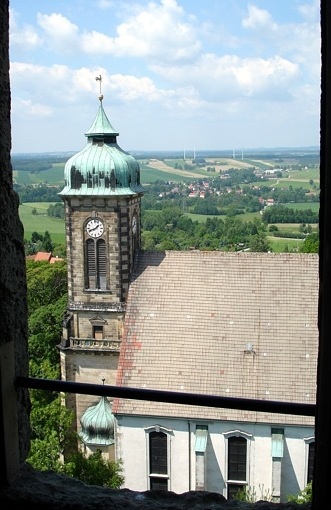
{"points": [[237, 465], [158, 460], [96, 264]]}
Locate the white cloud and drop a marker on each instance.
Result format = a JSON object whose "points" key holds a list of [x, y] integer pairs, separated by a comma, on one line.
{"points": [[311, 12], [154, 31], [61, 85], [54, 85], [163, 32], [173, 74], [59, 33], [229, 77], [105, 4], [95, 43], [27, 108], [258, 18], [22, 37], [130, 88]]}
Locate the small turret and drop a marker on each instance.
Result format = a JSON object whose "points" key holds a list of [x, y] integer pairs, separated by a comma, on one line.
{"points": [[98, 424]]}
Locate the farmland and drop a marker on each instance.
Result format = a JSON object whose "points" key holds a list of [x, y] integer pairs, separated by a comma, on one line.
{"points": [[40, 222], [281, 175]]}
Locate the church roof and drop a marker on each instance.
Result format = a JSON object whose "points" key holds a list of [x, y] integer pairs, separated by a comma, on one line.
{"points": [[98, 424], [101, 168], [225, 324]]}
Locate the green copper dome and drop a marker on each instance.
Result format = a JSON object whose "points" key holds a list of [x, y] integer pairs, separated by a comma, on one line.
{"points": [[98, 424], [102, 168]]}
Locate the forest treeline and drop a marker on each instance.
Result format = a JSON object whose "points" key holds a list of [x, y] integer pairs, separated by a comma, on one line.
{"points": [[171, 229]]}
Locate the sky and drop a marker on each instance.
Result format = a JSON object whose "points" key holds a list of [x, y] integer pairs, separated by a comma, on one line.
{"points": [[176, 74]]}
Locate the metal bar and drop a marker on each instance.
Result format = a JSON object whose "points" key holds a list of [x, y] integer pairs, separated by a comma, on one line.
{"points": [[192, 399]]}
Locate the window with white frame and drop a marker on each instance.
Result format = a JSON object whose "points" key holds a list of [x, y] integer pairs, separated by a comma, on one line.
{"points": [[277, 443], [237, 462], [158, 458], [201, 437]]}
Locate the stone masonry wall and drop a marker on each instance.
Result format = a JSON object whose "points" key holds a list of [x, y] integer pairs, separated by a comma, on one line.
{"points": [[13, 305]]}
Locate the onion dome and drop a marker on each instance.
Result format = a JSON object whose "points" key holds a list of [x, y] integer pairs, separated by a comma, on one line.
{"points": [[98, 424], [102, 168]]}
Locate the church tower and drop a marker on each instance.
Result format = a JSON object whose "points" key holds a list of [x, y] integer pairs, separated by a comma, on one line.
{"points": [[102, 196]]}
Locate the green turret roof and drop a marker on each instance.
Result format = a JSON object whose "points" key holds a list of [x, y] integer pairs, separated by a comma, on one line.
{"points": [[98, 424], [102, 168], [101, 125]]}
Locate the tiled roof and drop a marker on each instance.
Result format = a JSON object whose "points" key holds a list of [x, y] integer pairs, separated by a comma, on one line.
{"points": [[42, 255], [55, 259], [228, 324]]}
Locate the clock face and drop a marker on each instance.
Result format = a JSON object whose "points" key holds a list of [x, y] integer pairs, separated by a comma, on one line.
{"points": [[95, 228]]}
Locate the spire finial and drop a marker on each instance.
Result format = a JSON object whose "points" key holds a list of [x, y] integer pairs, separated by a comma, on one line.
{"points": [[99, 78]]}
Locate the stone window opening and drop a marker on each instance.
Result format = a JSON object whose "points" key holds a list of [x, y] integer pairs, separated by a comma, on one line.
{"points": [[96, 264]]}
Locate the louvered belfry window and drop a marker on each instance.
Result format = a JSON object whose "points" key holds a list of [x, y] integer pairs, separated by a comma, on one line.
{"points": [[96, 264], [101, 264]]}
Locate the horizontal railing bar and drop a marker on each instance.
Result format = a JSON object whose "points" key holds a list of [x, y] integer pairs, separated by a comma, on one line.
{"points": [[192, 399]]}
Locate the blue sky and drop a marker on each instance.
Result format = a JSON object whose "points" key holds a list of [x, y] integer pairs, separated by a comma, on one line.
{"points": [[176, 74]]}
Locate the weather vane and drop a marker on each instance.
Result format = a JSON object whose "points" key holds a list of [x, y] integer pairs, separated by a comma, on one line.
{"points": [[99, 79]]}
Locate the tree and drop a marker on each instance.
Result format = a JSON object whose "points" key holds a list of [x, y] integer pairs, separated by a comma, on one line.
{"points": [[46, 283], [47, 242], [39, 242], [35, 237], [56, 210], [51, 431], [259, 243], [51, 423], [44, 335], [95, 470], [310, 244], [205, 206]]}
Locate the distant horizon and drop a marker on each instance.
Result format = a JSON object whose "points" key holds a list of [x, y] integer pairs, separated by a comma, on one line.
{"points": [[189, 152]]}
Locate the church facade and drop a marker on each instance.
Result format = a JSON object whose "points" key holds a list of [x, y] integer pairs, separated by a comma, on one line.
{"points": [[211, 323], [230, 325]]}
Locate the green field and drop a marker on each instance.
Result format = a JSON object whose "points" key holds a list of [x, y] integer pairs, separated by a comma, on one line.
{"points": [[314, 206], [165, 171], [40, 222], [54, 175], [149, 174], [201, 218], [278, 244]]}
